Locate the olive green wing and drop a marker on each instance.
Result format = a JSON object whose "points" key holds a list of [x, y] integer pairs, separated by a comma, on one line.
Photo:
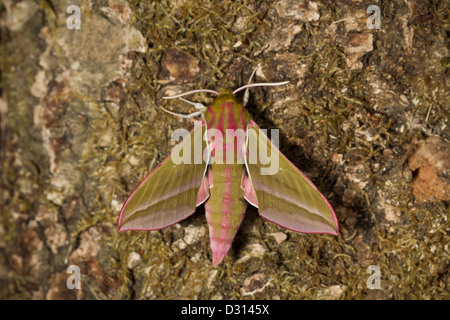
{"points": [[172, 191], [282, 193]]}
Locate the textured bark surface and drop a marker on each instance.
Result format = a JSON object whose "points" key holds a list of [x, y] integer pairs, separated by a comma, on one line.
{"points": [[365, 117]]}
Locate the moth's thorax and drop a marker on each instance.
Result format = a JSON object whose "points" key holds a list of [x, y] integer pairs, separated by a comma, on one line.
{"points": [[226, 112]]}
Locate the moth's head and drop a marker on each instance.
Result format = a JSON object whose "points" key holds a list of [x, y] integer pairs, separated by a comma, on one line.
{"points": [[225, 92], [225, 95]]}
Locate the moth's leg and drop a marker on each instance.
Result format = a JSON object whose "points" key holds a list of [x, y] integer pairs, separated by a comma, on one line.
{"points": [[246, 94], [197, 106], [185, 116]]}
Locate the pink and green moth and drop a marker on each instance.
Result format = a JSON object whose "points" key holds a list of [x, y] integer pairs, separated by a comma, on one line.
{"points": [[173, 190]]}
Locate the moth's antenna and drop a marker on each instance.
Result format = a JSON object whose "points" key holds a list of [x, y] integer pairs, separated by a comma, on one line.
{"points": [[191, 92], [260, 85]]}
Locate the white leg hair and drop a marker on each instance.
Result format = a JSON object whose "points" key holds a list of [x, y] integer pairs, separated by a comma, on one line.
{"points": [[184, 116], [246, 94]]}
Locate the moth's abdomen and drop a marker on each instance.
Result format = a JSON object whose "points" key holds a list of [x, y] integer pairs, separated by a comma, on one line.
{"points": [[225, 208]]}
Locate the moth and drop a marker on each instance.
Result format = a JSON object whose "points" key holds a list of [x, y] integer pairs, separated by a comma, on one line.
{"points": [[226, 171]]}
